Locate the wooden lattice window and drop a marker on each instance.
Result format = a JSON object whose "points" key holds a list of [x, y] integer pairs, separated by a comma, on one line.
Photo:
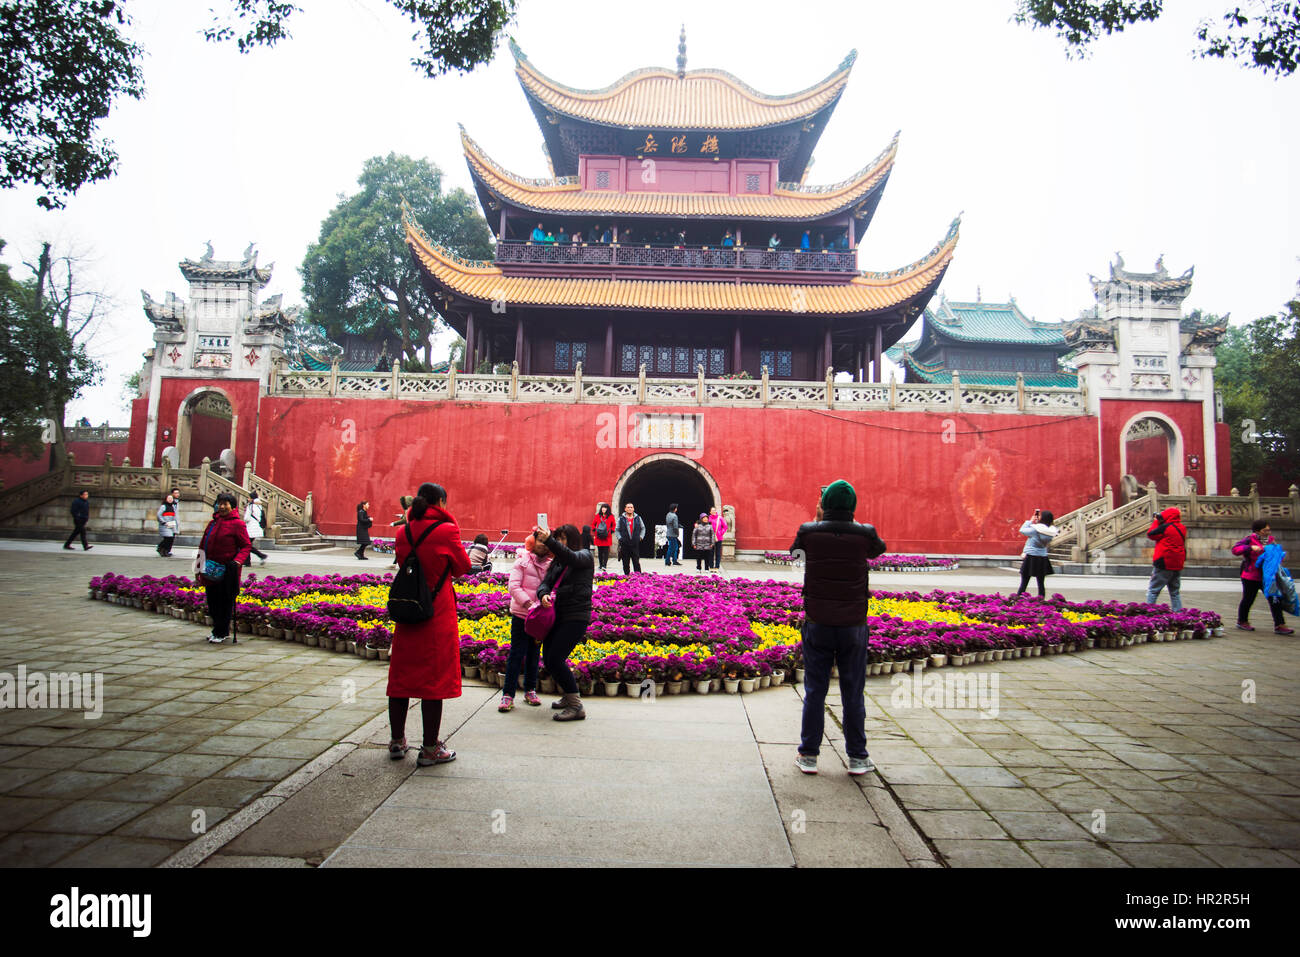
{"points": [[779, 362], [751, 182], [628, 361], [681, 360], [717, 361], [569, 354], [602, 179]]}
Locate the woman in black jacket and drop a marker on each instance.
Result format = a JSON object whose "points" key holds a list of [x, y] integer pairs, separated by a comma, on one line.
{"points": [[363, 530], [572, 601]]}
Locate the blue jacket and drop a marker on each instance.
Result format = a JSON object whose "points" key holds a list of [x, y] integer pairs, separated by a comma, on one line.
{"points": [[1040, 536], [672, 524], [80, 510], [1277, 580]]}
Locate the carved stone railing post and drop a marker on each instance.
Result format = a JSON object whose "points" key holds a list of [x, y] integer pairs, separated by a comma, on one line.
{"points": [[1293, 494], [956, 391], [306, 511], [1080, 551], [514, 380], [830, 387], [1193, 501], [451, 380], [205, 468], [1254, 500], [699, 384], [1109, 495], [764, 387], [164, 478], [106, 473], [248, 476], [396, 387], [577, 382], [1020, 392], [334, 377], [1153, 500], [893, 390], [272, 507], [640, 386], [272, 384]]}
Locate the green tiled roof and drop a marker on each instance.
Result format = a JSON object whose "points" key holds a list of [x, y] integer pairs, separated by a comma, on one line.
{"points": [[314, 363], [993, 322]]}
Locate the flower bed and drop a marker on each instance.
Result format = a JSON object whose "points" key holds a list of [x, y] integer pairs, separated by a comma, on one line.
{"points": [[671, 628], [505, 550], [885, 563]]}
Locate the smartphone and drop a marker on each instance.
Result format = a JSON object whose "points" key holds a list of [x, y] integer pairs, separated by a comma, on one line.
{"points": [[541, 521]]}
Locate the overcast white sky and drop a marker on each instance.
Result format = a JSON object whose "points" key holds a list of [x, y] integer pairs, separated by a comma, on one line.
{"points": [[1056, 164]]}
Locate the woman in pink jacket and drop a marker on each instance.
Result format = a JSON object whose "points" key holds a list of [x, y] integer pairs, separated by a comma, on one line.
{"points": [[525, 577], [719, 529]]}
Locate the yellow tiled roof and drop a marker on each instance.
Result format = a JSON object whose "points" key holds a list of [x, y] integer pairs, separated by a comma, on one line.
{"points": [[658, 98], [566, 195], [865, 293]]}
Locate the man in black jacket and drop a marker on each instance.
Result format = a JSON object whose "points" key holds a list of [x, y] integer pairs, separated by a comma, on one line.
{"points": [[80, 516], [630, 532], [835, 593]]}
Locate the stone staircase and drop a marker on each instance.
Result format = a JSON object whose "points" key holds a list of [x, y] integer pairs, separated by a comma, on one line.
{"points": [[291, 537]]}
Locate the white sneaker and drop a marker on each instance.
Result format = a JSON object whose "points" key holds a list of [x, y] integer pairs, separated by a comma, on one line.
{"points": [[807, 763], [214, 640], [262, 561], [860, 765]]}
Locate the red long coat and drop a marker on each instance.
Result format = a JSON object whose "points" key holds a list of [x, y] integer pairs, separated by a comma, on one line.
{"points": [[424, 661]]}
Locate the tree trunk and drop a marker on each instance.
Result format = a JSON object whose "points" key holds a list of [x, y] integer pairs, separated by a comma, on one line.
{"points": [[54, 411]]}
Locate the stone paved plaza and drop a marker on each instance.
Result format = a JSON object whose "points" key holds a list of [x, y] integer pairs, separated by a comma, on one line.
{"points": [[1145, 756]]}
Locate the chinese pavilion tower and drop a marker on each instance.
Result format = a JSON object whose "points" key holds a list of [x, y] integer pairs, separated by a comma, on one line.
{"points": [[676, 233]]}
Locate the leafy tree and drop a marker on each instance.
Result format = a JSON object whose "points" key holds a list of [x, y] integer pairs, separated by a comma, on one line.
{"points": [[62, 65], [42, 367], [1264, 33], [360, 278], [65, 63], [1257, 375], [458, 34]]}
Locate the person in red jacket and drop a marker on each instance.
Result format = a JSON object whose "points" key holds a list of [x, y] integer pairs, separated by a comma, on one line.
{"points": [[602, 531], [225, 541], [1170, 536], [424, 661]]}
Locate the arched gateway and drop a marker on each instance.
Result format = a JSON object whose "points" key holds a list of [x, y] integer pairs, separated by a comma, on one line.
{"points": [[653, 483]]}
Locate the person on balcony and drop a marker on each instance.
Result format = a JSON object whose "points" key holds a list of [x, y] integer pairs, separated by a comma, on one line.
{"points": [[821, 240], [576, 238], [728, 240], [805, 241], [594, 235], [774, 242], [562, 236], [539, 234]]}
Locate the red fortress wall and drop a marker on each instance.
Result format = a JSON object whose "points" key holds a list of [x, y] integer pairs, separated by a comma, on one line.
{"points": [[929, 482]]}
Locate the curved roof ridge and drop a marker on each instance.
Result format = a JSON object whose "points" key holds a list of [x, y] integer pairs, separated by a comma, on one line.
{"points": [[471, 147], [840, 73], [942, 250], [884, 158]]}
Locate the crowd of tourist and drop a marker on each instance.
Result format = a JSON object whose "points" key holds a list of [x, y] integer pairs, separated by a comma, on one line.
{"points": [[597, 234]]}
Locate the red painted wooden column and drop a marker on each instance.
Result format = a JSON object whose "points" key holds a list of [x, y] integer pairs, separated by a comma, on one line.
{"points": [[827, 355], [470, 342], [736, 365], [875, 355], [519, 342], [609, 348]]}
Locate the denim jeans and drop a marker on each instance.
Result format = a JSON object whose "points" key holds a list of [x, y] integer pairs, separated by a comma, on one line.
{"points": [[717, 555], [671, 550], [845, 647], [1164, 578], [524, 653]]}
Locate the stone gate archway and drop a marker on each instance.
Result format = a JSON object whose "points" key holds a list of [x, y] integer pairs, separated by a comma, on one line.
{"points": [[1151, 450], [653, 483], [205, 426]]}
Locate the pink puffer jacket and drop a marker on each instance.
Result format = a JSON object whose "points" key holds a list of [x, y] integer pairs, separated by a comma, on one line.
{"points": [[719, 525], [525, 578]]}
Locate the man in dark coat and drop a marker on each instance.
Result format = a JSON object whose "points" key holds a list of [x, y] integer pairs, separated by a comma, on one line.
{"points": [[80, 516], [835, 594], [673, 531], [630, 532]]}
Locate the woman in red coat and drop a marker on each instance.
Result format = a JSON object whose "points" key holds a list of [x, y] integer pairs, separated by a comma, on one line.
{"points": [[226, 542], [602, 530], [424, 661]]}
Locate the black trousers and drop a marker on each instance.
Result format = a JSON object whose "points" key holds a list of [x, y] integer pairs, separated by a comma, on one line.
{"points": [[1249, 589], [602, 552], [165, 545], [430, 714], [221, 600], [557, 647], [254, 550], [79, 528], [630, 554]]}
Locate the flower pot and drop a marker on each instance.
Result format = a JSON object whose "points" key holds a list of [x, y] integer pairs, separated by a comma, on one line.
{"points": [[765, 681], [242, 627], [957, 660], [632, 688], [372, 654], [207, 620], [747, 685], [1217, 632], [778, 677], [901, 666], [611, 688], [274, 632], [469, 671], [715, 684], [1091, 642], [660, 688], [500, 679], [383, 653], [702, 685], [1038, 651], [798, 676], [918, 664], [673, 687], [313, 641], [938, 661], [587, 687], [548, 685], [730, 685]]}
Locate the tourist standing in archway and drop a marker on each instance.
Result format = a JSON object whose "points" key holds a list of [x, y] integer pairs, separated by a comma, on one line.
{"points": [[602, 530], [673, 530], [425, 659], [571, 599], [702, 542], [719, 525], [630, 532], [835, 598]]}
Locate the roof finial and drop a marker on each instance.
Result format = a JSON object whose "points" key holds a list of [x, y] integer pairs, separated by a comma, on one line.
{"points": [[978, 296], [681, 54]]}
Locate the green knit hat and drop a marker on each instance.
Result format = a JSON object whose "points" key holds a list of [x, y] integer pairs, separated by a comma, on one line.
{"points": [[839, 497]]}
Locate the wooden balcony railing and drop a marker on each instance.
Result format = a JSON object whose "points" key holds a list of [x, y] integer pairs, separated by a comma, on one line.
{"points": [[754, 258]]}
